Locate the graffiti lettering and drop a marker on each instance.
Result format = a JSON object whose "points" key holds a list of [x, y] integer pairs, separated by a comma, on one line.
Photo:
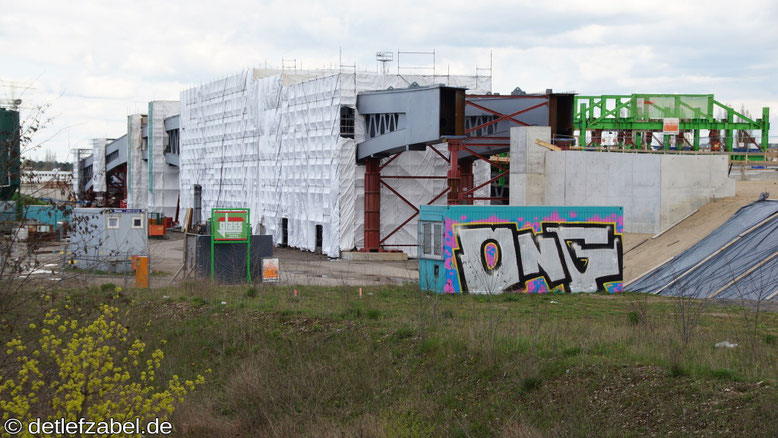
{"points": [[580, 257]]}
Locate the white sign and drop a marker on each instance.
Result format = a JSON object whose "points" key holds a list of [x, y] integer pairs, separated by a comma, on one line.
{"points": [[671, 126], [270, 270]]}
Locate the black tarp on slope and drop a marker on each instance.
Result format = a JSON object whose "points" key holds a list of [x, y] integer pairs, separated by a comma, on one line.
{"points": [[744, 267]]}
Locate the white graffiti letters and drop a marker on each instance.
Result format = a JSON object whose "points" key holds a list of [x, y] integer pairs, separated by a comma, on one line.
{"points": [[582, 256]]}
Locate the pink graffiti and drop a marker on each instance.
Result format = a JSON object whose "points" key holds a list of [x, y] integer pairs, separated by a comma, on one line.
{"points": [[537, 286], [495, 219], [554, 217], [490, 252], [449, 234]]}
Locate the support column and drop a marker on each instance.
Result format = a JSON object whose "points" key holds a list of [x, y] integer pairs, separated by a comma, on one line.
{"points": [[466, 179], [453, 173], [680, 139], [714, 140], [729, 140], [597, 138], [582, 128], [765, 128], [372, 205], [696, 139]]}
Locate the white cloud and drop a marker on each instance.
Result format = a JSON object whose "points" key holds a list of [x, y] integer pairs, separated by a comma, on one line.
{"points": [[96, 62]]}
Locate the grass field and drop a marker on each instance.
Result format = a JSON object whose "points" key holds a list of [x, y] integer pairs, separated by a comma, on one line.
{"points": [[398, 362]]}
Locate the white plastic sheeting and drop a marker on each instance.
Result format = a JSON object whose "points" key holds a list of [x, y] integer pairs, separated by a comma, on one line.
{"points": [[98, 164], [137, 167], [163, 183], [76, 173], [395, 211], [219, 145], [270, 141]]}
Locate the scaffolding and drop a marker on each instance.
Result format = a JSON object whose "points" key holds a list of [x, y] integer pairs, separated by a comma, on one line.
{"points": [[283, 143], [668, 122]]}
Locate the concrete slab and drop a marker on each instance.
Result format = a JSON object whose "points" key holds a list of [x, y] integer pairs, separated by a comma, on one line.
{"points": [[590, 178], [655, 190], [528, 175], [747, 174], [689, 182]]}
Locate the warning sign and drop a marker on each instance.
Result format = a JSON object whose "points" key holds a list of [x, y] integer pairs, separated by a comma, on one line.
{"points": [[671, 126], [230, 225], [270, 271]]}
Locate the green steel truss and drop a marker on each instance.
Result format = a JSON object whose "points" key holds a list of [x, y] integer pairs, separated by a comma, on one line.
{"points": [[639, 116]]}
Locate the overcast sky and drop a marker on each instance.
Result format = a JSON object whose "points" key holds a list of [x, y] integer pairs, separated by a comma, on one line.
{"points": [[95, 62]]}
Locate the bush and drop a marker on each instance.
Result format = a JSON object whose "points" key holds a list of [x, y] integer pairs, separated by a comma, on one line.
{"points": [[91, 370], [108, 287], [530, 384], [404, 332], [724, 374], [677, 370]]}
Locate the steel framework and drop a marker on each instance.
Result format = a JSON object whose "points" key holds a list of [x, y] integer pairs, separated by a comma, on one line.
{"points": [[639, 119], [487, 123]]}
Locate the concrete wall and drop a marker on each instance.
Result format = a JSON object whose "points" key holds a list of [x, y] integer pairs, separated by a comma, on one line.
{"points": [[691, 181], [655, 190], [590, 178], [528, 177]]}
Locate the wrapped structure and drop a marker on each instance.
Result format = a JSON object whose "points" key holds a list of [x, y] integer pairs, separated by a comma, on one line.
{"points": [[284, 145]]}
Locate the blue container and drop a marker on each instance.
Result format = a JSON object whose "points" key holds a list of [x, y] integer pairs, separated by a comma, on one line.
{"points": [[47, 214], [493, 249]]}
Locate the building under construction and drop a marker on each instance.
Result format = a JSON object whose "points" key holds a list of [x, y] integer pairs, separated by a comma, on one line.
{"points": [[331, 161], [336, 161], [137, 170]]}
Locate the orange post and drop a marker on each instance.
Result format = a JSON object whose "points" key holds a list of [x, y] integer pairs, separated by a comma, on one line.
{"points": [[141, 266]]}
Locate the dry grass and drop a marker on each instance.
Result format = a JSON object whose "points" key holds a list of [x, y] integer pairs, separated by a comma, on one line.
{"points": [[398, 362]]}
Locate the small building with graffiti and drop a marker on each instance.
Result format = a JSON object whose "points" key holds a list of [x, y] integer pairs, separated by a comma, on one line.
{"points": [[496, 249]]}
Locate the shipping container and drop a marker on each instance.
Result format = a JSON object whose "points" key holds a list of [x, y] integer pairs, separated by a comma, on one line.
{"points": [[495, 249]]}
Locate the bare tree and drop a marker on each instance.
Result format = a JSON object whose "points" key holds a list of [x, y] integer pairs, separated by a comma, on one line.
{"points": [[29, 259], [687, 312], [750, 292]]}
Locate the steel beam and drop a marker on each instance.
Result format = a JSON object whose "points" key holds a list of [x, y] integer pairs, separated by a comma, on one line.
{"points": [[453, 172], [372, 205]]}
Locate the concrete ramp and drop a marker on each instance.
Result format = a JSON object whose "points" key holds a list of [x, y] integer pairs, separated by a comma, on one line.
{"points": [[738, 260]]}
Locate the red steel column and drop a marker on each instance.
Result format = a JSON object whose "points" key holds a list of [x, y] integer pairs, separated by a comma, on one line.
{"points": [[466, 178], [679, 140], [715, 139], [453, 173], [372, 205], [597, 137]]}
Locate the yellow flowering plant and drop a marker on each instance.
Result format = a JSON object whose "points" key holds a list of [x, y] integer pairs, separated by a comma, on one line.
{"points": [[96, 373]]}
